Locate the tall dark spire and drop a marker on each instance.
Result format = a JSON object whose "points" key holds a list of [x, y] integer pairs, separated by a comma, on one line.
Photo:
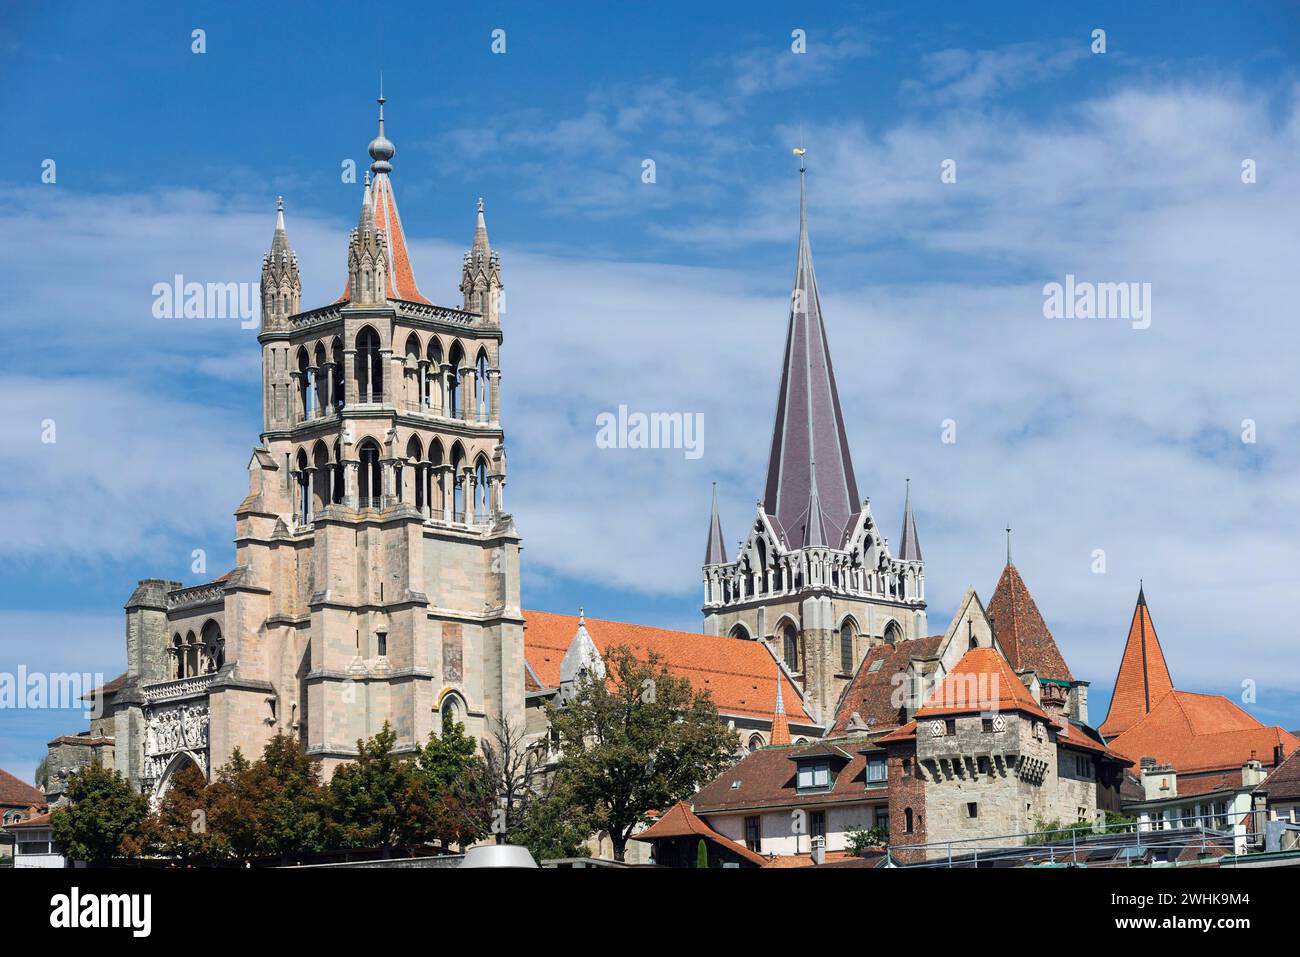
{"points": [[909, 546], [715, 552], [809, 444]]}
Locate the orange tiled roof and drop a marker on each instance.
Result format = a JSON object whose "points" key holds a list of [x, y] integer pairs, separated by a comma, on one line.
{"points": [[906, 733], [401, 278], [981, 681], [681, 821], [16, 792], [1201, 732], [741, 675], [1021, 630], [1143, 678]]}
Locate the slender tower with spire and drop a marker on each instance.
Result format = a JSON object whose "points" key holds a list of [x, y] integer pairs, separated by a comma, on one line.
{"points": [[815, 577]]}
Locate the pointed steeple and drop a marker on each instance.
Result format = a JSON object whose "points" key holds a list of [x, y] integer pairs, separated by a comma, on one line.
{"points": [[780, 724], [909, 546], [1143, 678], [715, 552], [480, 278], [281, 282], [809, 425], [399, 278], [1024, 636]]}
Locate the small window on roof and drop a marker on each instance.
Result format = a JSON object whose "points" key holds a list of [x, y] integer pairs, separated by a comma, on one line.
{"points": [[875, 666], [735, 784]]}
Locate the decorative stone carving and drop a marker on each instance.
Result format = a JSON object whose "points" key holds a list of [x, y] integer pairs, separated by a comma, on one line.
{"points": [[170, 730]]}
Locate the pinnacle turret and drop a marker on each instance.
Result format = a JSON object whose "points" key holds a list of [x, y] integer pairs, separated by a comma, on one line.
{"points": [[909, 545], [281, 282], [480, 281]]}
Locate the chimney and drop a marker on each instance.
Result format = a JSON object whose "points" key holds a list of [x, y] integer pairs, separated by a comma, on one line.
{"points": [[818, 850], [1252, 772], [1158, 780], [1279, 754]]}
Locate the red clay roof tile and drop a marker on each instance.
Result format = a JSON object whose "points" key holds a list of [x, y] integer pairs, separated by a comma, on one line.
{"points": [[1021, 630], [741, 675], [1143, 678]]}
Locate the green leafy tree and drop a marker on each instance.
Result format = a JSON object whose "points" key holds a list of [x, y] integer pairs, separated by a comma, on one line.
{"points": [[860, 840], [702, 855], [288, 806], [460, 802], [182, 826], [554, 824], [637, 740], [231, 812], [380, 800], [42, 776], [104, 811]]}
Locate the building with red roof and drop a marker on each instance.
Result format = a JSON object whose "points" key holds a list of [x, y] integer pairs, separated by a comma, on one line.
{"points": [[1200, 757]]}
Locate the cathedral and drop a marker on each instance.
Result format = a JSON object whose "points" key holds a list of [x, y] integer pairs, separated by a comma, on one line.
{"points": [[377, 572]]}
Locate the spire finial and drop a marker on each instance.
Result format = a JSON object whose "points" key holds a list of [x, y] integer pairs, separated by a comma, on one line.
{"points": [[1008, 544], [279, 212], [582, 615], [381, 147]]}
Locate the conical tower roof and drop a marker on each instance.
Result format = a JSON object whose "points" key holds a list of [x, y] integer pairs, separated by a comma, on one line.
{"points": [[715, 552], [383, 202], [909, 545], [809, 425], [1143, 679], [1021, 631]]}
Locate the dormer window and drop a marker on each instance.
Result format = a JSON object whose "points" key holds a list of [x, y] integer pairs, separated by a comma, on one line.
{"points": [[814, 775], [876, 774]]}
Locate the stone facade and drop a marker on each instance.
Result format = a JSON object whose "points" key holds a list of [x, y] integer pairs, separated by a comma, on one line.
{"points": [[377, 570]]}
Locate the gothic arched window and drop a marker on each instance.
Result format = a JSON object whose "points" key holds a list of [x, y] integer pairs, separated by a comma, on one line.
{"points": [[178, 656], [452, 712], [369, 476], [790, 647], [214, 647], [846, 647], [893, 634], [369, 366]]}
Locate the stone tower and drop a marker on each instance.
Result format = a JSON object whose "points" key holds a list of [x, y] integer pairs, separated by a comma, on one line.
{"points": [[377, 570], [814, 576]]}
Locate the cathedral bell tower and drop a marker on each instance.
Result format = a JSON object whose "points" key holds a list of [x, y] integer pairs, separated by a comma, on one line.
{"points": [[814, 577], [378, 574]]}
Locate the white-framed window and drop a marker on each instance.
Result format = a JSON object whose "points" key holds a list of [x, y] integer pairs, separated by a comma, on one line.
{"points": [[814, 775], [876, 772]]}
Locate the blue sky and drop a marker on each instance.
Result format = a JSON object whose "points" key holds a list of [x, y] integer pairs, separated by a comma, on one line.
{"points": [[1084, 435]]}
